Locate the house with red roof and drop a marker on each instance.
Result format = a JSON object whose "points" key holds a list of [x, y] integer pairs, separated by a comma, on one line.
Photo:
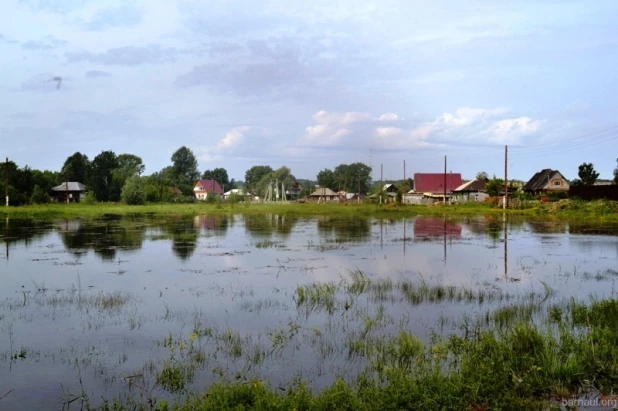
{"points": [[205, 188], [434, 184]]}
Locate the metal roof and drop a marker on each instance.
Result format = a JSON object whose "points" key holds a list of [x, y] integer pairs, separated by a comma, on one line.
{"points": [[70, 186]]}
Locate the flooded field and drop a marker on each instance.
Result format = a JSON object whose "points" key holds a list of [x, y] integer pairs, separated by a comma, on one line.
{"points": [[150, 307]]}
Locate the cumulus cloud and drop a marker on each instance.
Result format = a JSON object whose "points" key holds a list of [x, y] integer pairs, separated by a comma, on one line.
{"points": [[239, 142], [332, 128], [389, 117], [126, 56], [477, 125]]}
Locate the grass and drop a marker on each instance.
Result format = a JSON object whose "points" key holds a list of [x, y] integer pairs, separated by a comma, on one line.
{"points": [[524, 366], [607, 210]]}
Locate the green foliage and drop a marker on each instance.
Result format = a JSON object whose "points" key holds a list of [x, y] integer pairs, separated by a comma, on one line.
{"points": [[495, 186], [351, 177], [587, 174], [481, 175], [282, 174], [558, 195], [235, 198], [76, 168], [133, 192], [183, 173], [616, 173], [254, 175], [102, 177], [219, 175], [90, 198], [39, 196], [326, 178]]}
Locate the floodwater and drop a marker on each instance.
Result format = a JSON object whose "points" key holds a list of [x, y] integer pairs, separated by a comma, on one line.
{"points": [[98, 308]]}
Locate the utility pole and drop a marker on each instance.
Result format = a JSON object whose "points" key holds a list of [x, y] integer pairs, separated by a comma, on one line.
{"points": [[506, 187], [6, 181], [404, 171], [381, 183], [358, 194], [444, 199]]}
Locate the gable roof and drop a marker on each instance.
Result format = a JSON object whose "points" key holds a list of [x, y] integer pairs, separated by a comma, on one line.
{"points": [[474, 185], [209, 186], [238, 191], [540, 179], [323, 192], [434, 182], [72, 186]]}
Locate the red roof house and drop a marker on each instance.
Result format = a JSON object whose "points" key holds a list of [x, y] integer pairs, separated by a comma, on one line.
{"points": [[204, 188], [434, 183]]}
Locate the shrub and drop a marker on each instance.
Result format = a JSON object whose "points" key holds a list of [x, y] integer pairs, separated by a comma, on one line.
{"points": [[235, 198], [90, 198], [133, 191], [39, 196]]}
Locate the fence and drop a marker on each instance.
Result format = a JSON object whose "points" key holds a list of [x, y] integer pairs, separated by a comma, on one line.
{"points": [[609, 192]]}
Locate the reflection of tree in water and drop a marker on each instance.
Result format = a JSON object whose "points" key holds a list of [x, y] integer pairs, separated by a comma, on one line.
{"points": [[492, 226], [184, 235], [547, 226], [17, 231], [104, 236], [593, 228], [264, 225], [216, 225], [345, 229]]}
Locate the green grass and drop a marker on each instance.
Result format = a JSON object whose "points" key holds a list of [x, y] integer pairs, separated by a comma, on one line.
{"points": [[573, 351], [607, 210]]}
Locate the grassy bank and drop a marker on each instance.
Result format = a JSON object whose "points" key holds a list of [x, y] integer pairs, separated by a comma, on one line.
{"points": [[603, 210], [514, 364]]}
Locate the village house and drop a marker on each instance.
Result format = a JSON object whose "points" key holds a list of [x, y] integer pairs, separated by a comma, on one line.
{"points": [[431, 186], [546, 181], [472, 191], [75, 191], [324, 195], [390, 190], [293, 192], [205, 188], [235, 191]]}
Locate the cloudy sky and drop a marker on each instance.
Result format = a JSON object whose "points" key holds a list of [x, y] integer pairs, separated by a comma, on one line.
{"points": [[312, 84]]}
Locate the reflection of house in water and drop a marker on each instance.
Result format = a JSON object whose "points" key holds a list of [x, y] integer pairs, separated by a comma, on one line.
{"points": [[436, 228]]}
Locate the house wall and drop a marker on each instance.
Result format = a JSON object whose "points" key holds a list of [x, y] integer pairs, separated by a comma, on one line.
{"points": [[557, 183], [466, 197], [416, 199]]}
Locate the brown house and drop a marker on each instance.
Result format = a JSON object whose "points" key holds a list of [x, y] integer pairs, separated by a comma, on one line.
{"points": [[74, 190], [546, 181]]}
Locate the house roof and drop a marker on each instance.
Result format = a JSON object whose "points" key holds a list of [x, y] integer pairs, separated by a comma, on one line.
{"points": [[540, 179], [323, 192], [239, 191], [210, 186], [72, 186], [474, 185], [434, 182], [175, 190], [387, 186]]}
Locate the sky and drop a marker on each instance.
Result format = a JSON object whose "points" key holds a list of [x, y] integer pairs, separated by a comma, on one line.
{"points": [[313, 84]]}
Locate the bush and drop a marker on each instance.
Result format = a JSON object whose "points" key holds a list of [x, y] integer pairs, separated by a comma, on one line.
{"points": [[91, 198], [235, 198], [133, 191], [39, 196], [213, 198]]}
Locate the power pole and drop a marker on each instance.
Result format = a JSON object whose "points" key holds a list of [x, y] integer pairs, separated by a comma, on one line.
{"points": [[404, 171], [444, 199], [358, 194], [6, 181], [381, 183], [506, 187]]}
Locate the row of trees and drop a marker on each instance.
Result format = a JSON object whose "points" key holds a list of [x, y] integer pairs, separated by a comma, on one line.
{"points": [[588, 175]]}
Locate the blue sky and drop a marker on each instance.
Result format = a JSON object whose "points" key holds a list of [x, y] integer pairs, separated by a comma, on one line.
{"points": [[313, 84]]}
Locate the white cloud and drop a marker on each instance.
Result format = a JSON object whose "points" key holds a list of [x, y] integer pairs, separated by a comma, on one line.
{"points": [[477, 125], [333, 128], [390, 117], [233, 138]]}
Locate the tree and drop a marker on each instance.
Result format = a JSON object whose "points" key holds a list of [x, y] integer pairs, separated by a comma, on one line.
{"points": [[39, 196], [587, 174], [494, 186], [219, 175], [102, 174], [616, 173], [254, 175], [130, 165], [350, 176], [481, 175], [76, 168], [282, 175], [133, 191], [326, 178], [184, 169]]}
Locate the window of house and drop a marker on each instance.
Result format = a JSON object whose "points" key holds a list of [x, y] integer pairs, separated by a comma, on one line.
{"points": [[556, 183]]}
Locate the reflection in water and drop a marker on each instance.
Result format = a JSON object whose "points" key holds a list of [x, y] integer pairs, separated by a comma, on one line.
{"points": [[264, 225], [434, 228], [346, 229], [217, 224], [104, 236], [21, 231], [184, 234]]}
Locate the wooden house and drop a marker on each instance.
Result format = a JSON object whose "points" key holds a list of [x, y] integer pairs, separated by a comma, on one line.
{"points": [[546, 181], [74, 190], [472, 191]]}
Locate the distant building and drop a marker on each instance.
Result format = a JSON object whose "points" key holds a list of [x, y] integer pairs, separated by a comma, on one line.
{"points": [[471, 191], [75, 191], [204, 188], [434, 185], [546, 181], [324, 195]]}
